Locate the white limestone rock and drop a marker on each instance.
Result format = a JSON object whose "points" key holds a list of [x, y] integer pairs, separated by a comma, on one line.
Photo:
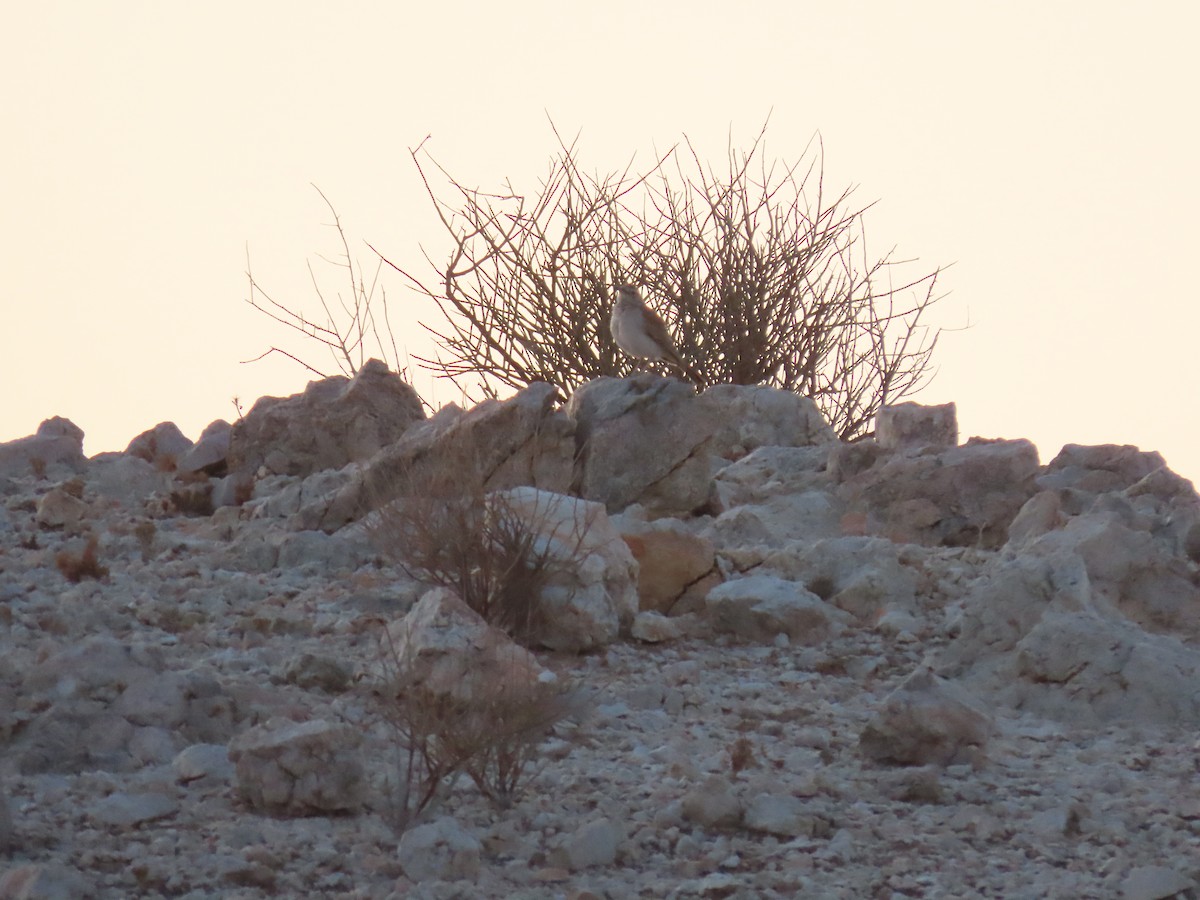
{"points": [[643, 439], [961, 496], [760, 607], [1094, 622], [210, 452], [861, 575], [441, 850], [1098, 468], [769, 472], [915, 425], [779, 814], [161, 446], [655, 628], [928, 721], [1154, 883], [754, 416], [1043, 512], [713, 804], [335, 421], [57, 444], [445, 647], [203, 764], [524, 440], [590, 594], [127, 481], [299, 768], [594, 843]]}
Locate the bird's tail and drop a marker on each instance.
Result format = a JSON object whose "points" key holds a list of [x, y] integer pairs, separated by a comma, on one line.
{"points": [[687, 372]]}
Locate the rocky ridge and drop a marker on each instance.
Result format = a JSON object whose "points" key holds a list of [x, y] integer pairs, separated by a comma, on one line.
{"points": [[903, 667]]}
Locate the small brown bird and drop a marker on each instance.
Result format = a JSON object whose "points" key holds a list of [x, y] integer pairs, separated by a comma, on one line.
{"points": [[640, 331]]}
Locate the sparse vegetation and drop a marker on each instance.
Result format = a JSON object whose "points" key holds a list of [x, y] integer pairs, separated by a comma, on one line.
{"points": [[763, 276], [192, 495], [350, 330], [497, 736], [445, 529], [492, 734], [85, 564]]}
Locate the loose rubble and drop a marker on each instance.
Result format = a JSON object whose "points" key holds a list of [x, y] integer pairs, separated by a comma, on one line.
{"points": [[904, 667]]}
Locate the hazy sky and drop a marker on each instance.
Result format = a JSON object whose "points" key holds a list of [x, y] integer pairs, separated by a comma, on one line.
{"points": [[1047, 149]]}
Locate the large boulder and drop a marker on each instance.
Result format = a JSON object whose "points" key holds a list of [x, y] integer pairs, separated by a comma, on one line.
{"points": [[588, 595], [753, 416], [863, 576], [1099, 468], [1044, 631], [643, 439], [774, 495], [676, 568], [1131, 571], [161, 446], [1137, 484], [915, 425], [928, 721], [445, 648], [962, 496], [290, 768], [524, 440], [210, 452], [335, 421], [58, 442], [761, 607]]}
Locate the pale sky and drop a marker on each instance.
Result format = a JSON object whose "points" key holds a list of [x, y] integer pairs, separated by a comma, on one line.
{"points": [[1047, 149]]}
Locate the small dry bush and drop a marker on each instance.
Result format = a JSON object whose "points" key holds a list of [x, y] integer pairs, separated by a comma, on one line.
{"points": [[446, 529], [498, 735], [414, 717], [86, 564], [492, 735]]}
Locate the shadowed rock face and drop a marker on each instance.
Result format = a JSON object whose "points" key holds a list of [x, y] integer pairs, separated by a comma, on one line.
{"points": [[643, 440], [523, 440], [335, 421], [752, 416], [961, 496]]}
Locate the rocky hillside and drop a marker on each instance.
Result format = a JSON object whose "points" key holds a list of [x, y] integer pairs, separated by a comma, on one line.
{"points": [[905, 667]]}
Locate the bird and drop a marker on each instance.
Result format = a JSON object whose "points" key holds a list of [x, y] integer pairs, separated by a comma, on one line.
{"points": [[640, 331]]}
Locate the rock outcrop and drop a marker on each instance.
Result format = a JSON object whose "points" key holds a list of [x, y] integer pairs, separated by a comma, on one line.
{"points": [[498, 444], [57, 443], [764, 659], [335, 421], [645, 440]]}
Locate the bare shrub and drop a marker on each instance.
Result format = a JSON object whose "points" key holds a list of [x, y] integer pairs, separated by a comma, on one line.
{"points": [[86, 564], [415, 716], [349, 328], [764, 277], [445, 529], [497, 735], [492, 732]]}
